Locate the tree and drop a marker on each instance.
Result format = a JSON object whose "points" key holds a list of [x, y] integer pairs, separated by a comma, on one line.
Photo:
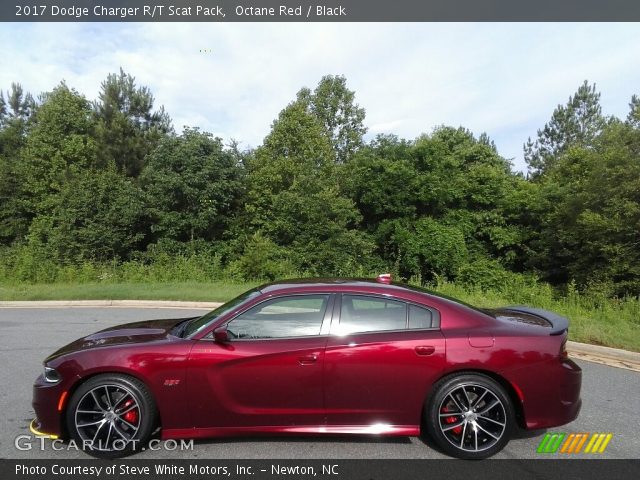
{"points": [[634, 111], [15, 114], [332, 103], [575, 124], [293, 198], [447, 181], [59, 146], [98, 215], [382, 180], [427, 247], [192, 186], [18, 105], [14, 220], [295, 156], [262, 259], [591, 217], [127, 126], [443, 160]]}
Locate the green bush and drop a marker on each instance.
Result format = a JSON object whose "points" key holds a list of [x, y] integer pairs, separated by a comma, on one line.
{"points": [[429, 248], [32, 265], [482, 273], [261, 259]]}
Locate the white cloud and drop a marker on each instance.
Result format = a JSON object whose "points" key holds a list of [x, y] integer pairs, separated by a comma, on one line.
{"points": [[504, 79]]}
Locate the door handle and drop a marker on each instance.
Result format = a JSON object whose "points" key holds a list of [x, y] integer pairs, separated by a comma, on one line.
{"points": [[425, 350], [308, 359]]}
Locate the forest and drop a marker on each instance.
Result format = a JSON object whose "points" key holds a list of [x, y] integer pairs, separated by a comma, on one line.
{"points": [[107, 190]]}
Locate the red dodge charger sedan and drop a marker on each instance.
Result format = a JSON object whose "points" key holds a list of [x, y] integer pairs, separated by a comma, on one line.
{"points": [[325, 356]]}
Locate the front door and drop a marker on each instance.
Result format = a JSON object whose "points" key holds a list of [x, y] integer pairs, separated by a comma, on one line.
{"points": [[270, 373]]}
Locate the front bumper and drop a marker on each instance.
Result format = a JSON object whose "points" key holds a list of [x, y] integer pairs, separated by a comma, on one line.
{"points": [[49, 401], [34, 427]]}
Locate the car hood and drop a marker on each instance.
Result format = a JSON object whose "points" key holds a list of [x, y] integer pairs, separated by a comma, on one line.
{"points": [[128, 333]]}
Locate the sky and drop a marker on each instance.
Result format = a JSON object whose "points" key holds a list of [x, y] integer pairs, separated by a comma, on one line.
{"points": [[232, 79]]}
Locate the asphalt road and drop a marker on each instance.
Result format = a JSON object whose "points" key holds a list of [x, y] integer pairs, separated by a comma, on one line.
{"points": [[611, 399]]}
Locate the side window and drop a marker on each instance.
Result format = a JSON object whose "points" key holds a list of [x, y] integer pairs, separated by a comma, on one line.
{"points": [[420, 317], [360, 313], [295, 316]]}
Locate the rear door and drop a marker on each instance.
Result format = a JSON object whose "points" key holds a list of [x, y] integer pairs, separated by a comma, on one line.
{"points": [[381, 358]]}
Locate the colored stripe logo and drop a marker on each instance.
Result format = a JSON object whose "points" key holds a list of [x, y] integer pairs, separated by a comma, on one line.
{"points": [[574, 443]]}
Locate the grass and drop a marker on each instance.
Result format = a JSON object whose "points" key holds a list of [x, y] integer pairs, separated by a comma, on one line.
{"points": [[203, 292], [594, 319]]}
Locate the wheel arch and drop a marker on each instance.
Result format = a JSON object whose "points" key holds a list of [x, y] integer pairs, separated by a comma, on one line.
{"points": [[85, 378], [516, 401]]}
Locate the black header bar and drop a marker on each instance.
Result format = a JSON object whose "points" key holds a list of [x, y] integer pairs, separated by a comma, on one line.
{"points": [[320, 11]]}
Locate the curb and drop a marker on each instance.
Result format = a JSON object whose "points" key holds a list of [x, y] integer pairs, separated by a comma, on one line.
{"points": [[594, 353], [613, 357], [607, 352]]}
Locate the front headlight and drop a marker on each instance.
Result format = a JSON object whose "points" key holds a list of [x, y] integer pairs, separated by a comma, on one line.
{"points": [[51, 375]]}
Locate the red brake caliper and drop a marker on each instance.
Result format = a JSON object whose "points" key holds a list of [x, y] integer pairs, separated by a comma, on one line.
{"points": [[132, 415], [451, 419]]}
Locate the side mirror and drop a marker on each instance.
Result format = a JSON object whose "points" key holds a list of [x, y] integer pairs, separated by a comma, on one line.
{"points": [[220, 335]]}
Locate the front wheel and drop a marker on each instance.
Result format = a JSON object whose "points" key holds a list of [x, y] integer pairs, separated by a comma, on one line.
{"points": [[470, 416], [111, 416]]}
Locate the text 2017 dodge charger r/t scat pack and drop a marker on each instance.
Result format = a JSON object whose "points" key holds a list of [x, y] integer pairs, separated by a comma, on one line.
{"points": [[313, 357]]}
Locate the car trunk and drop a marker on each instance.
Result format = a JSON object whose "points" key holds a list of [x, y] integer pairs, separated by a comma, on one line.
{"points": [[556, 324]]}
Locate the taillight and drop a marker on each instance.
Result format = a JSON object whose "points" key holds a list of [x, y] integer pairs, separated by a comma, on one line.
{"points": [[563, 349]]}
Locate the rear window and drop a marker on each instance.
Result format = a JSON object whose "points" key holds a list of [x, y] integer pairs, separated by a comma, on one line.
{"points": [[361, 313], [371, 314]]}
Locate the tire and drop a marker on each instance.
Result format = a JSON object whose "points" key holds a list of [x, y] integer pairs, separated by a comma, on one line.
{"points": [[469, 433], [111, 416]]}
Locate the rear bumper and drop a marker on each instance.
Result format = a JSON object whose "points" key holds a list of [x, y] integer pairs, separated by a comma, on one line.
{"points": [[558, 401]]}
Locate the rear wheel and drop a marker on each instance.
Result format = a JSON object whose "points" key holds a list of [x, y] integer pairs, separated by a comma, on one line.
{"points": [[111, 416], [470, 416]]}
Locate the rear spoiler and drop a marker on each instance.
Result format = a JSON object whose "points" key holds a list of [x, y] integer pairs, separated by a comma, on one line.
{"points": [[559, 324]]}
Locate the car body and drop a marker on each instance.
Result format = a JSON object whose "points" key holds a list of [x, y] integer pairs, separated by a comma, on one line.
{"points": [[323, 356]]}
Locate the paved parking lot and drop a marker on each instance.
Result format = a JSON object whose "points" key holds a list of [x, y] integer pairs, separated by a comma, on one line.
{"points": [[611, 398]]}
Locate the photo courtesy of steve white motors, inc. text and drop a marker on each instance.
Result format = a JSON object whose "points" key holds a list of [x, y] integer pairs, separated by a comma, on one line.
{"points": [[161, 469], [212, 12]]}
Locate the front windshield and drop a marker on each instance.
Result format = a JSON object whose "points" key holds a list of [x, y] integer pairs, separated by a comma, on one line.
{"points": [[198, 324]]}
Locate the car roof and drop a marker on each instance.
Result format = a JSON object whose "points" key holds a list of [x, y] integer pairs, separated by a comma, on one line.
{"points": [[361, 285], [333, 283]]}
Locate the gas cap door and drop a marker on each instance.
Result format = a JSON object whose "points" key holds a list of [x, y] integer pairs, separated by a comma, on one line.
{"points": [[481, 339]]}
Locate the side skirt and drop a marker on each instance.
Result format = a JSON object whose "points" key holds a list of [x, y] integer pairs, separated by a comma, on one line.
{"points": [[376, 429]]}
